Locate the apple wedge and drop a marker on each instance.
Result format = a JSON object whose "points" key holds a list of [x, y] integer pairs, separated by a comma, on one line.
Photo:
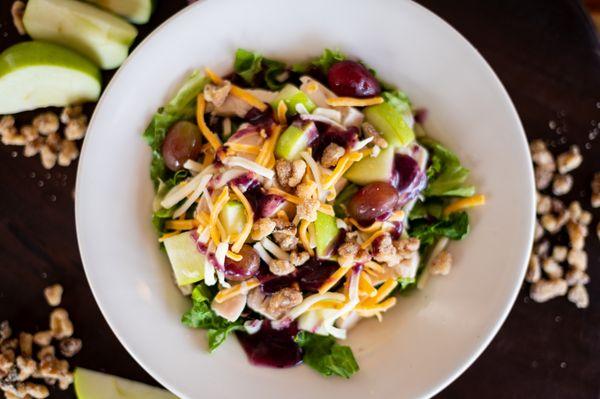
{"points": [[38, 74], [137, 11], [326, 232], [95, 385], [101, 36], [187, 262], [370, 170], [295, 139]]}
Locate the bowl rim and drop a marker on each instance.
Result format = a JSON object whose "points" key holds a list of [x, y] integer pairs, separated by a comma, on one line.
{"points": [[529, 175]]}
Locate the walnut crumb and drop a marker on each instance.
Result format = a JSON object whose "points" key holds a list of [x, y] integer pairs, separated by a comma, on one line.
{"points": [[441, 264], [53, 294], [562, 184], [559, 253], [46, 123], [551, 268], [578, 259], [569, 160], [534, 271], [299, 258], [579, 296], [262, 228], [69, 347], [281, 267], [68, 153], [60, 325], [76, 128], [544, 290], [290, 173], [42, 338], [71, 112], [307, 209], [282, 301]]}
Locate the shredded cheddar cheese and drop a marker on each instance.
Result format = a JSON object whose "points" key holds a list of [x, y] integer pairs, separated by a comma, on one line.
{"points": [[281, 112], [302, 233], [369, 229], [334, 279], [216, 79], [236, 290], [167, 235], [353, 102], [234, 256], [215, 233], [465, 203], [239, 242], [212, 138], [248, 98], [187, 224], [342, 166], [365, 287], [372, 238]]}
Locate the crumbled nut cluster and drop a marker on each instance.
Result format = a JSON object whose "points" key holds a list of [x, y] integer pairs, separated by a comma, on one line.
{"points": [[275, 305], [331, 155], [43, 136], [18, 367], [560, 270]]}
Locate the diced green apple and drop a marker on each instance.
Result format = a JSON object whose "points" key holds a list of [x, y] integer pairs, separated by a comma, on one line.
{"points": [[137, 11], [369, 170], [186, 260], [101, 36], [292, 96], [390, 123], [295, 139], [38, 74], [326, 232], [233, 217], [95, 385]]}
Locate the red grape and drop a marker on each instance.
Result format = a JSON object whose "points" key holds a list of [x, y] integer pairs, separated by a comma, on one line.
{"points": [[351, 79], [245, 268], [375, 201], [183, 142]]}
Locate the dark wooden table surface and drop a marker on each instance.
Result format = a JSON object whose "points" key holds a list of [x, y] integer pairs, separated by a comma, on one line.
{"points": [[547, 54]]}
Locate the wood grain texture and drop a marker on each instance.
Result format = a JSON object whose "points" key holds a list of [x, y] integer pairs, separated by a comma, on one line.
{"points": [[547, 55]]}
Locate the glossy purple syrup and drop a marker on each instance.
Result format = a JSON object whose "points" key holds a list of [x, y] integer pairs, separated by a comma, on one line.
{"points": [[330, 134], [272, 348]]}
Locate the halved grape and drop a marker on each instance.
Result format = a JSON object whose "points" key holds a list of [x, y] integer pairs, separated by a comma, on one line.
{"points": [[183, 142], [375, 201], [245, 268], [351, 79]]}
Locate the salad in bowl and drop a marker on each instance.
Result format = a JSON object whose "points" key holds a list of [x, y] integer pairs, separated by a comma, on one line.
{"points": [[294, 201]]}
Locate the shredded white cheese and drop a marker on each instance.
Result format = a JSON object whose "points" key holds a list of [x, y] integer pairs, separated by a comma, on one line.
{"points": [[193, 166], [362, 144], [262, 253], [332, 114], [274, 249], [185, 188], [249, 165], [311, 300], [220, 254], [192, 197]]}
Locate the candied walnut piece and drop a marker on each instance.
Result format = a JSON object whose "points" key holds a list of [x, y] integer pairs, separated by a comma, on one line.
{"points": [[384, 250], [331, 155], [281, 267], [42, 338], [539, 231], [76, 128], [307, 209], [576, 276], [33, 148], [534, 271], [350, 253], [69, 347], [71, 112], [299, 258], [544, 204], [578, 259], [305, 190], [26, 344], [577, 233], [290, 174], [551, 268], [53, 294], [46, 123], [544, 290], [30, 133], [579, 296], [285, 234], [543, 178], [5, 331], [68, 153], [595, 200], [562, 184], [46, 353], [559, 253], [569, 160], [60, 325], [441, 264], [27, 367], [48, 157], [262, 228], [17, 11], [282, 301]]}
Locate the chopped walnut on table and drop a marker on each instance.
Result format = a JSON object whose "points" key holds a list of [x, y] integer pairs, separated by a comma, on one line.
{"points": [[68, 153], [562, 184], [290, 173], [577, 233], [534, 271], [60, 324], [46, 123], [552, 268], [578, 259], [544, 290], [579, 296], [76, 128], [576, 276], [595, 200], [53, 294], [331, 155], [569, 160]]}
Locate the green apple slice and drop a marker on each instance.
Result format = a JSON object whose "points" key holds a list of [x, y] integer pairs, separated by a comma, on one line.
{"points": [[137, 11], [295, 139], [326, 232], [39, 74], [369, 170], [233, 217], [390, 123], [292, 96], [101, 36], [95, 385], [187, 262]]}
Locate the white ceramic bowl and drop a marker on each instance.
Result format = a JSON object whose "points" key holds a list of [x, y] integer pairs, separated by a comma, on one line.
{"points": [[431, 336]]}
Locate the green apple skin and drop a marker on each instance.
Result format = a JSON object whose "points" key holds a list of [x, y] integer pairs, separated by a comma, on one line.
{"points": [[293, 96], [390, 123], [326, 232], [233, 217], [369, 170], [99, 35], [187, 262], [95, 385], [295, 139], [39, 74], [136, 11]]}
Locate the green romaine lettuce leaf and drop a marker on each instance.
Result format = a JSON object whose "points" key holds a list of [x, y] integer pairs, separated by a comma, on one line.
{"points": [[250, 64], [323, 354], [455, 227], [323, 63], [202, 316], [446, 176], [398, 99]]}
